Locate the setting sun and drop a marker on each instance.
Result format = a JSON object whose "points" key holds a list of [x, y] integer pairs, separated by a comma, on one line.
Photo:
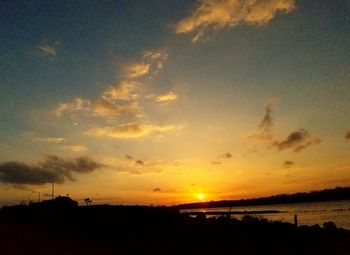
{"points": [[200, 196]]}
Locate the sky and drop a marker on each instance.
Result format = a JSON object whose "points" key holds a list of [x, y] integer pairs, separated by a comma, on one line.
{"points": [[156, 102]]}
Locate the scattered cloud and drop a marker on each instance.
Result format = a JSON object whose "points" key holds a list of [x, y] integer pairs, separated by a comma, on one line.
{"points": [[129, 164], [157, 190], [225, 155], [124, 90], [49, 50], [347, 135], [75, 148], [216, 162], [52, 169], [122, 102], [217, 14], [288, 163], [151, 63], [296, 140], [167, 97], [130, 130], [78, 104], [136, 70], [139, 162], [110, 109], [50, 139]]}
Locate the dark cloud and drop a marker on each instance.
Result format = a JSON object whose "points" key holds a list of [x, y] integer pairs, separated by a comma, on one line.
{"points": [[157, 190], [297, 140], [347, 135], [52, 169], [267, 122], [288, 163], [129, 157], [226, 155], [139, 162]]}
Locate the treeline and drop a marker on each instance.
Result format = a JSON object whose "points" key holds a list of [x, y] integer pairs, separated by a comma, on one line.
{"points": [[338, 193]]}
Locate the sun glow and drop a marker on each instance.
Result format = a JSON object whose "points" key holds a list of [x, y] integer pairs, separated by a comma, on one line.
{"points": [[200, 196]]}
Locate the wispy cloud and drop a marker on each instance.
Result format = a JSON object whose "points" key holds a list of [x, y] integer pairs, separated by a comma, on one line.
{"points": [[296, 140], [167, 97], [130, 130], [112, 109], [124, 90], [51, 169], [225, 155], [76, 148], [151, 63], [78, 104], [48, 50], [128, 164], [122, 102], [288, 163], [217, 14], [50, 139], [347, 135]]}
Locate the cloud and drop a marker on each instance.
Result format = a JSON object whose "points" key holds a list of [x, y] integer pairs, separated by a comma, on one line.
{"points": [[131, 130], [216, 162], [110, 109], [129, 157], [129, 164], [75, 148], [157, 190], [49, 50], [225, 155], [167, 97], [347, 135], [217, 14], [139, 162], [50, 139], [52, 169], [296, 140], [137, 69], [288, 164], [151, 63], [78, 104], [122, 91]]}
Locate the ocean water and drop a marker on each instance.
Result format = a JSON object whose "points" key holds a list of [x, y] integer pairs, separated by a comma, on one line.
{"points": [[308, 213]]}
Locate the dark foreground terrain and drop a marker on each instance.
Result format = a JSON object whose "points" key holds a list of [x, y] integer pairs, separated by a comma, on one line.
{"points": [[156, 230]]}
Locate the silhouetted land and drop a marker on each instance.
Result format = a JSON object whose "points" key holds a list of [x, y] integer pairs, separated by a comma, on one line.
{"points": [[61, 227], [338, 193]]}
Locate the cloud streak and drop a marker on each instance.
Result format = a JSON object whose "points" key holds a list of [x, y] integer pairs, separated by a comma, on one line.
{"points": [[217, 14], [48, 50], [130, 130], [51, 169], [167, 97]]}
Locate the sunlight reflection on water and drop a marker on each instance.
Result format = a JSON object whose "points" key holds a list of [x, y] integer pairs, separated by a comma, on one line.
{"points": [[308, 213]]}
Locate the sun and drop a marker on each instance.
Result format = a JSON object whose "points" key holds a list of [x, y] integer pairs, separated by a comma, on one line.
{"points": [[200, 196]]}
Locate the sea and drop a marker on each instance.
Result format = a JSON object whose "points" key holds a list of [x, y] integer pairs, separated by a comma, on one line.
{"points": [[307, 213]]}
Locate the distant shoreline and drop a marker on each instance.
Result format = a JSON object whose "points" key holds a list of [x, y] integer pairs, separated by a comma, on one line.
{"points": [[336, 194]]}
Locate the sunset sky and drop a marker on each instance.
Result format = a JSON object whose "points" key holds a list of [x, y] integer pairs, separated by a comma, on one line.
{"points": [[156, 102]]}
